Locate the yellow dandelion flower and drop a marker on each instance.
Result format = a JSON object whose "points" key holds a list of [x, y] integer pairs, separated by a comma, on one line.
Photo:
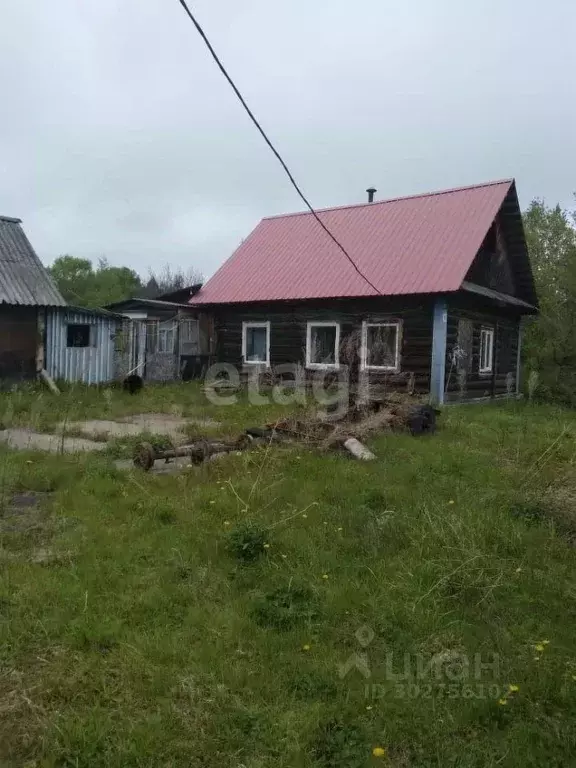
{"points": [[513, 688], [325, 576], [503, 702], [306, 647], [545, 642], [379, 752], [539, 647]]}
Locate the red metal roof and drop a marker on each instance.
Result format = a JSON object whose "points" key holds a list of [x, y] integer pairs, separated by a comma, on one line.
{"points": [[420, 244]]}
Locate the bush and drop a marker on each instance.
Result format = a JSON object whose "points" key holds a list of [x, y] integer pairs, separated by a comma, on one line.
{"points": [[247, 542]]}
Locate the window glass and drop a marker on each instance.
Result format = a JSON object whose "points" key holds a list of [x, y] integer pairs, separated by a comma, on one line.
{"points": [[486, 349], [78, 335], [381, 345], [323, 344], [256, 344]]}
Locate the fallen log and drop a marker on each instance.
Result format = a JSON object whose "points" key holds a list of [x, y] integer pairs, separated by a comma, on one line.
{"points": [[49, 381], [358, 450]]}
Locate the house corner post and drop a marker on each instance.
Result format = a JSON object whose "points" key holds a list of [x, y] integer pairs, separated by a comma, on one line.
{"points": [[438, 366], [519, 359]]}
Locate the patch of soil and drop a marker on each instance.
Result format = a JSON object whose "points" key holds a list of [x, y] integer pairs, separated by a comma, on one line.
{"points": [[28, 440], [154, 423], [23, 512]]}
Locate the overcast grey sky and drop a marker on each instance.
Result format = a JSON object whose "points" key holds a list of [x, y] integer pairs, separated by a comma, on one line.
{"points": [[120, 138]]}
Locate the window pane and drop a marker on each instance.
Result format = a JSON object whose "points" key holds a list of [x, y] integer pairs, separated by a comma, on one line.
{"points": [[256, 344], [381, 345], [323, 344], [464, 344], [78, 336], [166, 340], [486, 349]]}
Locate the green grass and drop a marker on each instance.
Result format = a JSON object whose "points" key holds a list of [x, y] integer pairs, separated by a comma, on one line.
{"points": [[203, 619]]}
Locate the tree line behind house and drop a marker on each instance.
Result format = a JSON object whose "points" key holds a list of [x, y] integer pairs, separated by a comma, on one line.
{"points": [[549, 346], [84, 284]]}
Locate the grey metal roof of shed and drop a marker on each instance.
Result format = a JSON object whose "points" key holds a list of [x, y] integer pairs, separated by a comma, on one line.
{"points": [[23, 278]]}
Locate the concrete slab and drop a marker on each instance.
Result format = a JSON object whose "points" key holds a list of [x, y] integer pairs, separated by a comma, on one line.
{"points": [[28, 440], [154, 423]]}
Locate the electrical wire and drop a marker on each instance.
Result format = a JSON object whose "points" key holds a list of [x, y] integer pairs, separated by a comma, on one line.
{"points": [[278, 156]]}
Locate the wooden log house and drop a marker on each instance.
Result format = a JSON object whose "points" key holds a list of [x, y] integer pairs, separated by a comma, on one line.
{"points": [[427, 292]]}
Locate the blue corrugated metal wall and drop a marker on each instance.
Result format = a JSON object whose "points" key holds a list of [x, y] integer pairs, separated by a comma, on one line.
{"points": [[93, 364]]}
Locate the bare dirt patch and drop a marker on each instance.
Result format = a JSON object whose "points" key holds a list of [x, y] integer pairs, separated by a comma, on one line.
{"points": [[23, 512], [153, 423], [28, 440]]}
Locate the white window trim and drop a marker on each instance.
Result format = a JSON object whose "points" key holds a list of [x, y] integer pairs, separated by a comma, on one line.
{"points": [[245, 326], [485, 330], [322, 366], [364, 346]]}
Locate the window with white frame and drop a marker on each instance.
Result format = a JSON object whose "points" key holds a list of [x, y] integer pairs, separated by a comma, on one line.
{"points": [[380, 350], [486, 350], [160, 337], [166, 338], [256, 343], [322, 344]]}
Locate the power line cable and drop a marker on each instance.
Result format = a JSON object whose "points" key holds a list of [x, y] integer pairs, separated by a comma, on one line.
{"points": [[278, 156]]}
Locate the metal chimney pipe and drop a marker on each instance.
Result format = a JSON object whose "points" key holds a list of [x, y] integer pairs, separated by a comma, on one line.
{"points": [[371, 192]]}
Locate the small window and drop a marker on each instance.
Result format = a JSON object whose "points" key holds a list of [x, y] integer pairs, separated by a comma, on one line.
{"points": [[256, 343], [166, 339], [160, 337], [381, 346], [188, 331], [486, 350], [322, 343], [77, 335]]}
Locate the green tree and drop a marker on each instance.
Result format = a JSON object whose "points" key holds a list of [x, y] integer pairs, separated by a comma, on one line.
{"points": [[550, 339], [81, 284]]}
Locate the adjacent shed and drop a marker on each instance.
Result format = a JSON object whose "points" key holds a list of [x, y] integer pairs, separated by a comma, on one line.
{"points": [[161, 340], [80, 344], [26, 290]]}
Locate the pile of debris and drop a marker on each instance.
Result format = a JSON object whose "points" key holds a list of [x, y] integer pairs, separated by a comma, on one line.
{"points": [[323, 431]]}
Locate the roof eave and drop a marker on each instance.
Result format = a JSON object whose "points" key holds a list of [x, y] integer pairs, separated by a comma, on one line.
{"points": [[504, 298]]}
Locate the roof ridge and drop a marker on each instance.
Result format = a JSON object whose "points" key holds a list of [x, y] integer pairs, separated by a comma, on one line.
{"points": [[392, 199], [10, 219]]}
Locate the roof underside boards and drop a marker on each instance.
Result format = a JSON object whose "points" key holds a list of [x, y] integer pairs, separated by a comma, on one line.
{"points": [[23, 278], [421, 244], [481, 290]]}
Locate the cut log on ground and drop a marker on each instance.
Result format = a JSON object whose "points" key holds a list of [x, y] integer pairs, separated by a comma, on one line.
{"points": [[358, 450], [49, 381]]}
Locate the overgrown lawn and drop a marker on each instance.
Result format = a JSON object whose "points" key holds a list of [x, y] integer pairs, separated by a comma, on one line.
{"points": [[266, 609]]}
